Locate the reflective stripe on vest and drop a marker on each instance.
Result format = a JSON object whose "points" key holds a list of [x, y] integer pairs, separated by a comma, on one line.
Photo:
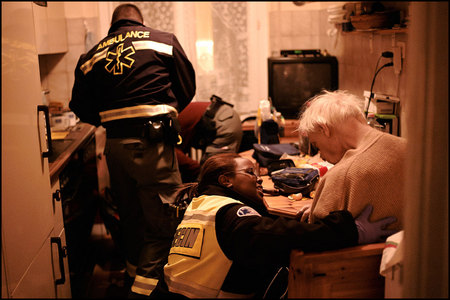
{"points": [[136, 112], [197, 266], [143, 285]]}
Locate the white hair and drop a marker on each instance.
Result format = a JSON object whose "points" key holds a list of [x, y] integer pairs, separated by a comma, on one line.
{"points": [[330, 108]]}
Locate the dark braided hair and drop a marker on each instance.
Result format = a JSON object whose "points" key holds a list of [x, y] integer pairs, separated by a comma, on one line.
{"points": [[211, 169]]}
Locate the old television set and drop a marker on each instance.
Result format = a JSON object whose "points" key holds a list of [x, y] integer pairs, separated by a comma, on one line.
{"points": [[294, 79]]}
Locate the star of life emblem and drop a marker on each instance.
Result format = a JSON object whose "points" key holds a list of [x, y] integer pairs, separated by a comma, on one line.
{"points": [[246, 211], [119, 59]]}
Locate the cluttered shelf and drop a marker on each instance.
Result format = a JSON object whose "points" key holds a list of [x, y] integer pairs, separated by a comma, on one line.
{"points": [[383, 31]]}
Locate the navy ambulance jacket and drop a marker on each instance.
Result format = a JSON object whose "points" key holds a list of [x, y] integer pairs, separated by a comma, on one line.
{"points": [[134, 65]]}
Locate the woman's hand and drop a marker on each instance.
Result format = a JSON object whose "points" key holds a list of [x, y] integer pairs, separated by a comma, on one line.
{"points": [[305, 211], [372, 232]]}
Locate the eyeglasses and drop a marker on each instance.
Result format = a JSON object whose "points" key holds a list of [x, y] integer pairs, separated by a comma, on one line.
{"points": [[247, 172]]}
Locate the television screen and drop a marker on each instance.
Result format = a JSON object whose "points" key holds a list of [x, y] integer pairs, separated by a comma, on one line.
{"points": [[294, 80]]}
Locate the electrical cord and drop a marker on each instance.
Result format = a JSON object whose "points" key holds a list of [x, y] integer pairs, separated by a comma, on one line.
{"points": [[273, 279], [387, 54]]}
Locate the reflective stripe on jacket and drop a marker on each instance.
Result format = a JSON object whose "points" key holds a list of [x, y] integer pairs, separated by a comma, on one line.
{"points": [[136, 112]]}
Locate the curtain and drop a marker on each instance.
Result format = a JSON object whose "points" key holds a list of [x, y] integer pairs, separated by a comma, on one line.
{"points": [[229, 76]]}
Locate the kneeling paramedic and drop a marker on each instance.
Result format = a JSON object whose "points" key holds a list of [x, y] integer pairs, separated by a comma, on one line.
{"points": [[134, 83], [227, 246]]}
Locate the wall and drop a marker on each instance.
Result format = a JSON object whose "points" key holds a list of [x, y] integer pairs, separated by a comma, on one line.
{"points": [[57, 70], [307, 27], [290, 27]]}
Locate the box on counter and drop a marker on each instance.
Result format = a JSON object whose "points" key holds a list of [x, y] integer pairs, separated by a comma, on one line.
{"points": [[381, 104]]}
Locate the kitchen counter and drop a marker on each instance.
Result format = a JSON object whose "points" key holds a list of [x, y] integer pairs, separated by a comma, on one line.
{"points": [[63, 149]]}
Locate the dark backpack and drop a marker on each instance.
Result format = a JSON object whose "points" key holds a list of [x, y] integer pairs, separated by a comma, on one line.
{"points": [[206, 130]]}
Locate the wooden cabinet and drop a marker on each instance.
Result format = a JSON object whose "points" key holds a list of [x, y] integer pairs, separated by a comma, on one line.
{"points": [[30, 216], [352, 272], [48, 274], [60, 261], [50, 28]]}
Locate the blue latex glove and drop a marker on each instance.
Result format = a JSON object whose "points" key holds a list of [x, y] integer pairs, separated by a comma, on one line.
{"points": [[368, 232]]}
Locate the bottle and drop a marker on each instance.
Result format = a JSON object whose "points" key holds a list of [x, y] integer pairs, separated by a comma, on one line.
{"points": [[372, 122], [45, 97], [264, 106]]}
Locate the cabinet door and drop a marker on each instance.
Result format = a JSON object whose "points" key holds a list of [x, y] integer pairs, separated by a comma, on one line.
{"points": [[38, 280], [51, 29], [57, 27], [27, 212], [41, 28]]}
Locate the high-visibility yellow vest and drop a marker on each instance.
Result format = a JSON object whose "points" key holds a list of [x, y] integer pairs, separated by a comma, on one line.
{"points": [[197, 266]]}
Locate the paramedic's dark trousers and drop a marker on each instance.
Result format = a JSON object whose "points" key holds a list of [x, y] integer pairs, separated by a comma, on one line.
{"points": [[144, 176]]}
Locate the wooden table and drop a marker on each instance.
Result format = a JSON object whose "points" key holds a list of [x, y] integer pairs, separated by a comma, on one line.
{"points": [[278, 205], [282, 205]]}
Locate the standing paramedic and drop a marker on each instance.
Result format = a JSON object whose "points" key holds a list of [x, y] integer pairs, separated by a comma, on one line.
{"points": [[134, 83]]}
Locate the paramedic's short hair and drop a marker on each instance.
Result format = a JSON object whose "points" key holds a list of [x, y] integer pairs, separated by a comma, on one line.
{"points": [[329, 108], [127, 11]]}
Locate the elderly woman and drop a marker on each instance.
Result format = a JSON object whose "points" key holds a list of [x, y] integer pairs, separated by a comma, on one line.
{"points": [[228, 246], [369, 164]]}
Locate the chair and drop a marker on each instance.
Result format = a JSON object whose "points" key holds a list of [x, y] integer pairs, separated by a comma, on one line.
{"points": [[345, 273]]}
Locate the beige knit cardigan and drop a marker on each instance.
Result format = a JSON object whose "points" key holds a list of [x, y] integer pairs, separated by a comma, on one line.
{"points": [[372, 173]]}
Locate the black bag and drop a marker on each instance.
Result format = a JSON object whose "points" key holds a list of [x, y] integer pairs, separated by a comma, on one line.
{"points": [[206, 130], [264, 154], [279, 164], [269, 132], [295, 180]]}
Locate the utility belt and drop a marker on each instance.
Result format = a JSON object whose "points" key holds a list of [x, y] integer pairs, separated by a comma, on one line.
{"points": [[154, 122]]}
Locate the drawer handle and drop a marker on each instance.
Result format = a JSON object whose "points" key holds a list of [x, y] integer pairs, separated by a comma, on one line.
{"points": [[57, 195], [61, 253], [44, 109]]}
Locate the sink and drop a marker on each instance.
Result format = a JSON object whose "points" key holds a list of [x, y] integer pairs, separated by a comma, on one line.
{"points": [[58, 147]]}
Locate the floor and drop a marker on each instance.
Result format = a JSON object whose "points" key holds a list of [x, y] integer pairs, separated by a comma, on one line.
{"points": [[105, 277]]}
